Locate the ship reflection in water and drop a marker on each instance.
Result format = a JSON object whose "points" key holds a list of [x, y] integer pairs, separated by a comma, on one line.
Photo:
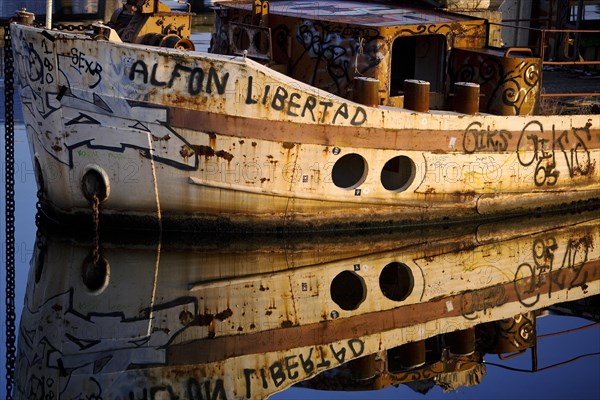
{"points": [[246, 317]]}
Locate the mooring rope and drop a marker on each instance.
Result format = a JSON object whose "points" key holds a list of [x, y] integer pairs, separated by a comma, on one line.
{"points": [[9, 193], [154, 181], [159, 216]]}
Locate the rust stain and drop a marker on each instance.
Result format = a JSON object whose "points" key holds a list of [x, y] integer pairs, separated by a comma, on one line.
{"points": [[185, 317], [223, 315], [224, 154], [287, 324], [288, 145], [212, 139], [158, 138], [589, 169], [201, 150]]}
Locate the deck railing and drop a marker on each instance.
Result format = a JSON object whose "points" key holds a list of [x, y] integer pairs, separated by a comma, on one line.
{"points": [[540, 51]]}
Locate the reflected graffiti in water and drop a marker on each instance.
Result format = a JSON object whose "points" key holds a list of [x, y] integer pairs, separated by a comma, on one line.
{"points": [[246, 317]]}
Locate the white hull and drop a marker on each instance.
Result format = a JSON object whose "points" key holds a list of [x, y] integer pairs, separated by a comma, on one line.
{"points": [[182, 136]]}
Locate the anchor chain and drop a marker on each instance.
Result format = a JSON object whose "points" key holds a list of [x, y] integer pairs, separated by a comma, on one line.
{"points": [[65, 27], [96, 221], [9, 172], [9, 182]]}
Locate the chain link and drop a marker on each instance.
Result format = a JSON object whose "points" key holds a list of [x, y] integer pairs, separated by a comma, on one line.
{"points": [[71, 27], [65, 27], [96, 222], [9, 163]]}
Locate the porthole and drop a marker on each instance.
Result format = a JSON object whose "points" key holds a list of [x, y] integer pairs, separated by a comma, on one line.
{"points": [[348, 290], [396, 281], [349, 171], [398, 173]]}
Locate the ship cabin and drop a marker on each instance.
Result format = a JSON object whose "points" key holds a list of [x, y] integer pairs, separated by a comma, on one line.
{"points": [[366, 51]]}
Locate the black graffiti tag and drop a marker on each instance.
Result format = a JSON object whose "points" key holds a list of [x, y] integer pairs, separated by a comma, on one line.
{"points": [[530, 278], [31, 63], [476, 139], [298, 105], [193, 389], [82, 65], [473, 301], [302, 365], [196, 79], [540, 148]]}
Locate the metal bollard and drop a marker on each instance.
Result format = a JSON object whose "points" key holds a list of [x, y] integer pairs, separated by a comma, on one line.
{"points": [[416, 95], [466, 98]]}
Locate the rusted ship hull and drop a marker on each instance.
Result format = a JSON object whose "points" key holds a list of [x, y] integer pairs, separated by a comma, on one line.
{"points": [[181, 136]]}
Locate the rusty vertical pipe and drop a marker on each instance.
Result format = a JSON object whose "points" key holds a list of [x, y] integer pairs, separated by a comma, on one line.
{"points": [[366, 91], [461, 342], [363, 367], [416, 95], [509, 335], [406, 356], [466, 97]]}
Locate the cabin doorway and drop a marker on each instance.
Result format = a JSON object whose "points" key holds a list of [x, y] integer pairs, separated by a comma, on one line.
{"points": [[418, 57]]}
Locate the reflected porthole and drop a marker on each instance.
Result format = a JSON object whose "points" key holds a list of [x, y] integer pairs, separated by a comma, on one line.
{"points": [[396, 281], [349, 171], [348, 290], [95, 273], [398, 173]]}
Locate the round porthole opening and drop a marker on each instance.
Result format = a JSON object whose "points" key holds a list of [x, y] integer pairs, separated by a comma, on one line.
{"points": [[348, 290], [396, 281], [349, 171], [398, 173]]}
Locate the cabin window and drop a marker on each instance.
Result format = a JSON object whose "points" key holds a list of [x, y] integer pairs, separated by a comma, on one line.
{"points": [[418, 57]]}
